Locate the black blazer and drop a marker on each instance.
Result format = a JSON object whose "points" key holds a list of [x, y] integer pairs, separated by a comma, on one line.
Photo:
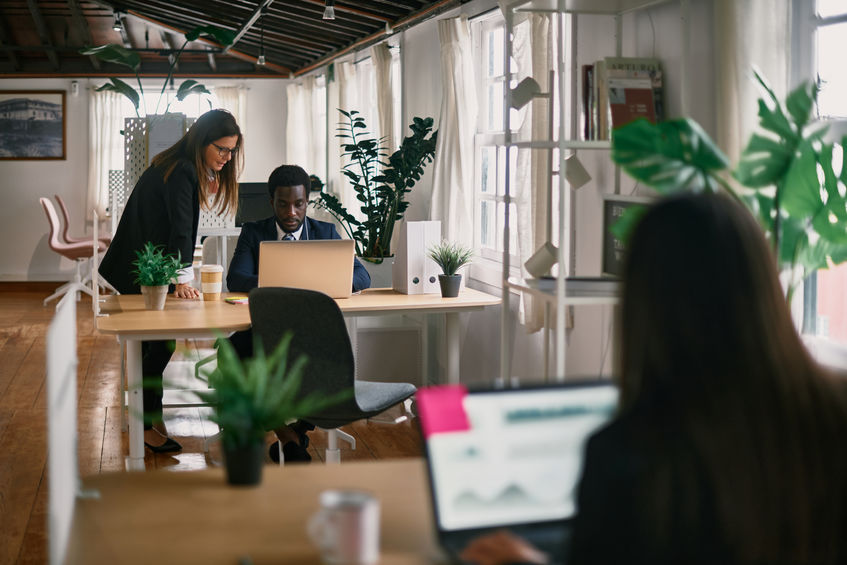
{"points": [[166, 213], [243, 274]]}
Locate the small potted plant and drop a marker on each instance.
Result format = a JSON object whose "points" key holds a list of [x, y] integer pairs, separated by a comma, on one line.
{"points": [[251, 397], [450, 257], [154, 271]]}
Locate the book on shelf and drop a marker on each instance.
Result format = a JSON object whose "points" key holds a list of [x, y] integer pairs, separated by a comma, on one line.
{"points": [[602, 90], [579, 286], [630, 99]]}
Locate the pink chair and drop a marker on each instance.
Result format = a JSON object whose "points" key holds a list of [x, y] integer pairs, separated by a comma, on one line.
{"points": [[78, 252], [67, 218]]}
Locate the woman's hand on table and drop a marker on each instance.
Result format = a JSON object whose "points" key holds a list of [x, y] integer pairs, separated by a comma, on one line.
{"points": [[185, 290], [501, 547]]}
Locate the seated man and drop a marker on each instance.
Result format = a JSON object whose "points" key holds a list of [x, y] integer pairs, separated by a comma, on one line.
{"points": [[289, 198]]}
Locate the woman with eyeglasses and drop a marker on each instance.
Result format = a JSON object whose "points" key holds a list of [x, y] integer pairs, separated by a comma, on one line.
{"points": [[200, 170]]}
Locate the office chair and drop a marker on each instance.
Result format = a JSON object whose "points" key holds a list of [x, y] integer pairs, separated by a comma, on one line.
{"points": [[67, 218], [78, 252], [319, 333]]}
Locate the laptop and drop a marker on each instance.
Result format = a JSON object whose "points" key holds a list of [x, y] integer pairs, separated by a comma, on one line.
{"points": [[325, 265], [509, 458]]}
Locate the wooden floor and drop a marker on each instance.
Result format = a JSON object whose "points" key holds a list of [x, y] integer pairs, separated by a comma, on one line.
{"points": [[102, 445]]}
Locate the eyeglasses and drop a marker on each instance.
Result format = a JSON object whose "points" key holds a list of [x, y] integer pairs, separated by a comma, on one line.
{"points": [[224, 151]]}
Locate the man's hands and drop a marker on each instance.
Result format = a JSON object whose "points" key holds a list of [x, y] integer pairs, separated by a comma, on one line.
{"points": [[185, 290]]}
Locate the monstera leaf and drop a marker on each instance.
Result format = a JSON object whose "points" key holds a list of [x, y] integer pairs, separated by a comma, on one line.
{"points": [[669, 156]]}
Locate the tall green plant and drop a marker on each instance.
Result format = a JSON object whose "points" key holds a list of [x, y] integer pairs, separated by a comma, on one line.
{"points": [[789, 172], [114, 53], [380, 186]]}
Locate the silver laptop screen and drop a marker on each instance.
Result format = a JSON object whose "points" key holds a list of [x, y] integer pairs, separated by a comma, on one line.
{"points": [[507, 457]]}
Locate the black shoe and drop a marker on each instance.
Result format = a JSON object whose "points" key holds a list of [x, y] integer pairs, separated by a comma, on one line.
{"points": [[300, 427], [169, 446], [291, 451]]}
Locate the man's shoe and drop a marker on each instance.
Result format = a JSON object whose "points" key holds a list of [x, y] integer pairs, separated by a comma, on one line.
{"points": [[291, 451]]}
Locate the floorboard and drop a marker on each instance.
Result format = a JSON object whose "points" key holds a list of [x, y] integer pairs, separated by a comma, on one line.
{"points": [[102, 444]]}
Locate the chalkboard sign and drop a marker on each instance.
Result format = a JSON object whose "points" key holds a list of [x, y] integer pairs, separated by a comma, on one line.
{"points": [[613, 248]]}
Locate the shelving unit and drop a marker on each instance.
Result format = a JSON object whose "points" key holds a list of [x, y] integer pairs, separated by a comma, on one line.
{"points": [[565, 141]]}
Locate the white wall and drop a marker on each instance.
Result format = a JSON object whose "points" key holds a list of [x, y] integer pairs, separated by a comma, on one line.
{"points": [[24, 253]]}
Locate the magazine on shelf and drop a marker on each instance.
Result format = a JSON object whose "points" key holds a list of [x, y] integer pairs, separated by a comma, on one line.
{"points": [[579, 286], [598, 94]]}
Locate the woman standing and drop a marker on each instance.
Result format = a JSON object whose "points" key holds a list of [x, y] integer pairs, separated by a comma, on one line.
{"points": [[201, 169]]}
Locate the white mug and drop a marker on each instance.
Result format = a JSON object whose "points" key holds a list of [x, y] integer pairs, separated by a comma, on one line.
{"points": [[346, 527]]}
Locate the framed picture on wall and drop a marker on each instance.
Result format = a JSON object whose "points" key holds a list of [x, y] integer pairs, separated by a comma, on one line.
{"points": [[32, 125]]}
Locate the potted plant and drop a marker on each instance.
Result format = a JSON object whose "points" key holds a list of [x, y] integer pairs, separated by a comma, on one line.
{"points": [[114, 53], [380, 186], [154, 272], [787, 172], [450, 257], [253, 396]]}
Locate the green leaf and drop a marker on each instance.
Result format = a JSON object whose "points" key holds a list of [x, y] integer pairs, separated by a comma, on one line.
{"points": [[763, 162], [800, 193], [224, 37], [114, 53], [119, 86], [190, 87], [669, 156]]}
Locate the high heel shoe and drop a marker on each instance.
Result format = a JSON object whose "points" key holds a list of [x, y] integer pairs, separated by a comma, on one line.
{"points": [[169, 446]]}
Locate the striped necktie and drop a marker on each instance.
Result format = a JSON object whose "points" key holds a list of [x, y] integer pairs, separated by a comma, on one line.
{"points": [[288, 237]]}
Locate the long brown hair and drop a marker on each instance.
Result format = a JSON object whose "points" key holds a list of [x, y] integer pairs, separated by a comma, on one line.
{"points": [[709, 345], [209, 127]]}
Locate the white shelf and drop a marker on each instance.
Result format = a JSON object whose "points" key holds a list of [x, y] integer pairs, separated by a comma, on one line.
{"points": [[604, 7], [566, 143], [550, 295]]}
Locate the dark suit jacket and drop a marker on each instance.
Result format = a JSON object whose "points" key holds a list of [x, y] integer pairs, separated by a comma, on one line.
{"points": [[243, 274], [166, 213]]}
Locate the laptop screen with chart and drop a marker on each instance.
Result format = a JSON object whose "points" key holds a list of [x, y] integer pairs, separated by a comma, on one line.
{"points": [[498, 458]]}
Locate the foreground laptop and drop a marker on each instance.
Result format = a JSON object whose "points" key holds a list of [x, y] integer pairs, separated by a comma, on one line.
{"points": [[509, 458], [325, 265]]}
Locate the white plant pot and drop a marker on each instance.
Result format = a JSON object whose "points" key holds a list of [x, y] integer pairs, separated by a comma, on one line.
{"points": [[154, 296]]}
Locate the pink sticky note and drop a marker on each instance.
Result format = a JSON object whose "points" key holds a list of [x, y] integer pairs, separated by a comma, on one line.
{"points": [[441, 409]]}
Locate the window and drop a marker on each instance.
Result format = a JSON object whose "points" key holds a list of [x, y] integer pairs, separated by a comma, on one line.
{"points": [[825, 296], [490, 156]]}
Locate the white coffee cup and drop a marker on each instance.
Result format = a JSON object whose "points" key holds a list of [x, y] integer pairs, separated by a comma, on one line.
{"points": [[211, 281], [346, 527]]}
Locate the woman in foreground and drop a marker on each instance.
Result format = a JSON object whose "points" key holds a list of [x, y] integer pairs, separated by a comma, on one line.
{"points": [[727, 447]]}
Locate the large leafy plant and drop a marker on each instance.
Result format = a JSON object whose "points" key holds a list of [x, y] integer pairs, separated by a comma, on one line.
{"points": [[255, 395], [153, 267], [791, 179], [380, 186], [114, 53]]}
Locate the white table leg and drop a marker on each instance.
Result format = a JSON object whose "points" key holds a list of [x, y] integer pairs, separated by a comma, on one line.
{"points": [[453, 357], [354, 341], [135, 406]]}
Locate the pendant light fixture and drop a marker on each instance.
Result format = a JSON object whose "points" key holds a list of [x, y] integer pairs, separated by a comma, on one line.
{"points": [[329, 11], [261, 59], [117, 25]]}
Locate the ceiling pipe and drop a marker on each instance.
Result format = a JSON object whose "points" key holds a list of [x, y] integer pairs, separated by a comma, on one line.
{"points": [[257, 13]]}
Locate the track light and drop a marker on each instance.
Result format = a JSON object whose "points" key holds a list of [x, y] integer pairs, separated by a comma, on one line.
{"points": [[329, 11], [117, 25], [260, 60]]}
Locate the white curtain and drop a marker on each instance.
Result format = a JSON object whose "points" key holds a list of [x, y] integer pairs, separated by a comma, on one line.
{"points": [[105, 147], [304, 136], [453, 169], [234, 100], [381, 56], [741, 45], [533, 53]]}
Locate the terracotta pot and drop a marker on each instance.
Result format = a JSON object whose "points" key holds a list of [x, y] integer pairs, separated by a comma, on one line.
{"points": [[154, 296], [450, 285]]}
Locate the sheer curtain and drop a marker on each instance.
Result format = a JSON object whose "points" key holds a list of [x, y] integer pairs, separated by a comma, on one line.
{"points": [[740, 46], [453, 168], [106, 147], [234, 100], [381, 56], [533, 53], [303, 134]]}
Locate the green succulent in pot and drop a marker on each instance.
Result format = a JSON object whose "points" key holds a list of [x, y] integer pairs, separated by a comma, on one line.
{"points": [[154, 272], [251, 397], [450, 257]]}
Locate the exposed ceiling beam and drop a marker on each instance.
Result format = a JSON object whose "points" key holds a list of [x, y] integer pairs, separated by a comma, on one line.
{"points": [[4, 40], [84, 31], [257, 13], [41, 27]]}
